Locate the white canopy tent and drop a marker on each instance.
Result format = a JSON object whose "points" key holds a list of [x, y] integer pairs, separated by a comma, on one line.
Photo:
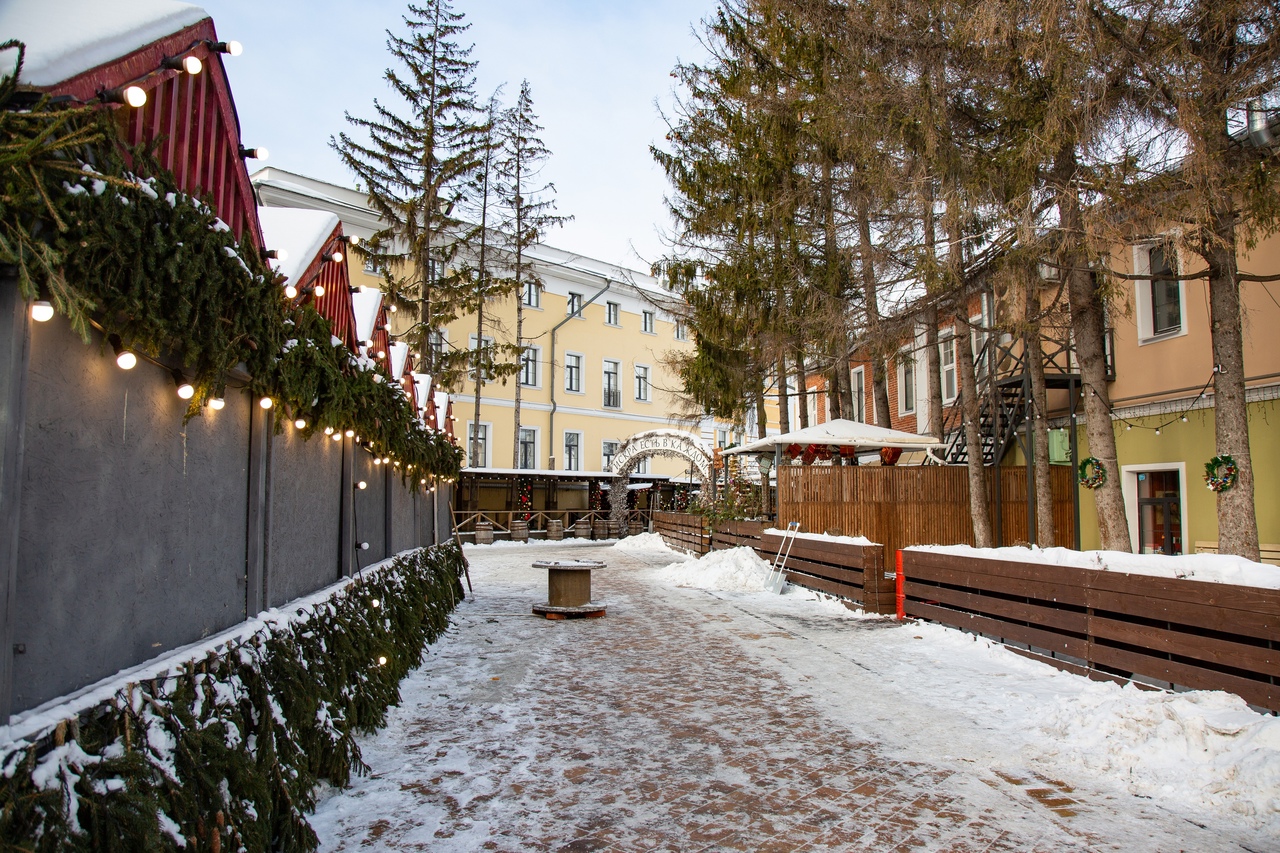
{"points": [[843, 433]]}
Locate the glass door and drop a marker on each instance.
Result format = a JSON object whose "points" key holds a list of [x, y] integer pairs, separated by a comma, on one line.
{"points": [[1159, 513]]}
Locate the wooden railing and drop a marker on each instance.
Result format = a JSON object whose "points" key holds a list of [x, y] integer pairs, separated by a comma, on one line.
{"points": [[577, 522], [683, 530], [843, 569], [1105, 624]]}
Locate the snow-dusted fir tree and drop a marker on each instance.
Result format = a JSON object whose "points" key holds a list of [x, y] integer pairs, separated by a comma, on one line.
{"points": [[415, 165], [530, 210]]}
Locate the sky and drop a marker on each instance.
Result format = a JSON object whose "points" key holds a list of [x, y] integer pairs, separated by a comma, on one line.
{"points": [[597, 71]]}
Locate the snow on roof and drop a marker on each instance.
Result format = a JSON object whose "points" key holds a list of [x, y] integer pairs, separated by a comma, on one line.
{"points": [[65, 38], [843, 433], [365, 303], [300, 233], [442, 409], [399, 355]]}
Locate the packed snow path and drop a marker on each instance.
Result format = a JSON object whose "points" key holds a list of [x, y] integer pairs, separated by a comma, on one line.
{"points": [[692, 719]]}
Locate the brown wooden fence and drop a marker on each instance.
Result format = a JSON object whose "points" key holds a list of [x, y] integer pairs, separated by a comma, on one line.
{"points": [[912, 505], [854, 572], [1108, 624], [684, 531], [736, 534]]}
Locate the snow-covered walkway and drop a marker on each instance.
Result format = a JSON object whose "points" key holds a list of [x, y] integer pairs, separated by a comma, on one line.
{"points": [[720, 719]]}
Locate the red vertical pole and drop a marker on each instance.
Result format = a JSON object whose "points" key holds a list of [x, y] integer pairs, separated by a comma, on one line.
{"points": [[901, 595]]}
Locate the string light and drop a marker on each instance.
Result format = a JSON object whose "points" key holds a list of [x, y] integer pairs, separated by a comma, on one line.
{"points": [[258, 153], [328, 430], [350, 433], [337, 436], [125, 360], [133, 96], [266, 402], [185, 389], [290, 291], [231, 48], [351, 239], [336, 257], [382, 660], [41, 311], [275, 254], [376, 603], [318, 290], [190, 63], [217, 403], [300, 423], [362, 485]]}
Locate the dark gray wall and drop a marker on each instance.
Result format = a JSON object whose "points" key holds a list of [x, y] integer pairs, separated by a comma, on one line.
{"points": [[305, 495], [138, 533]]}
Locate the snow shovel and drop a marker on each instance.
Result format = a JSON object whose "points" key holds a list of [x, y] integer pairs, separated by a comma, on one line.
{"points": [[777, 578]]}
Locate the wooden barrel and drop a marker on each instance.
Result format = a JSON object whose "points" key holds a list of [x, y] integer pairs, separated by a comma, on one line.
{"points": [[555, 529], [635, 527], [599, 529], [519, 530], [484, 533], [617, 529]]}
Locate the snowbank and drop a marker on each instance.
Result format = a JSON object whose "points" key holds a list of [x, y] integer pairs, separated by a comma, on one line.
{"points": [[844, 540], [647, 542], [1210, 568], [733, 570]]}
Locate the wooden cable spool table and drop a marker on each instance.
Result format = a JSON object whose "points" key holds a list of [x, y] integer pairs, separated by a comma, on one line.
{"points": [[569, 590]]}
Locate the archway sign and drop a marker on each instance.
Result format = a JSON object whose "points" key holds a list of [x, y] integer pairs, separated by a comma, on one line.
{"points": [[654, 442]]}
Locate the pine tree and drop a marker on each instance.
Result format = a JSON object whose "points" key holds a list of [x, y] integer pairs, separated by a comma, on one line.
{"points": [[529, 212], [415, 166]]}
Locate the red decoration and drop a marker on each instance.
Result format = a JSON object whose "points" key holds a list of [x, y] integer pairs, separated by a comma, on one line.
{"points": [[794, 450], [889, 455]]}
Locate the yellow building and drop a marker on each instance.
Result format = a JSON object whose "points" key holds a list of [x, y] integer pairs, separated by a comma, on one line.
{"points": [[596, 336]]}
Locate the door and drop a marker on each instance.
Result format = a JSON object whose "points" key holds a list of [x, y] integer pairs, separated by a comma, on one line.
{"points": [[1159, 513]]}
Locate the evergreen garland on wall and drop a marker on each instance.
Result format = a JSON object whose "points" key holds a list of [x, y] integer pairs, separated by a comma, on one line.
{"points": [[232, 746]]}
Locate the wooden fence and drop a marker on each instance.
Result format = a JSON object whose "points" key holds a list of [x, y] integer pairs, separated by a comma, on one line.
{"points": [[912, 505], [1106, 624], [577, 522], [684, 531]]}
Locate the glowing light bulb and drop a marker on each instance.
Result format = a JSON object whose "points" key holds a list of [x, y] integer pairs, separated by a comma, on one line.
{"points": [[1157, 430], [217, 403], [382, 660], [266, 402], [290, 291], [192, 65], [350, 433], [377, 461], [337, 436], [422, 482], [126, 360], [386, 460], [336, 257], [328, 430], [135, 96], [362, 485], [376, 603], [186, 390], [319, 291], [42, 312], [393, 309], [300, 423]]}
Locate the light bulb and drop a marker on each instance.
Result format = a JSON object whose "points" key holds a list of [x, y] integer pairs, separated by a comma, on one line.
{"points": [[300, 423], [382, 353], [382, 660], [266, 402], [386, 460], [350, 433], [337, 436], [364, 546], [282, 254], [362, 485], [290, 291], [135, 96], [328, 430], [377, 461], [192, 65], [319, 291], [1184, 419], [42, 312], [127, 360], [336, 257], [186, 390], [422, 482], [217, 403], [1157, 430], [392, 309]]}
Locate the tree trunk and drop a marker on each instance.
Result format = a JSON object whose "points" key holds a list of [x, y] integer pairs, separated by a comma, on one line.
{"points": [[1038, 422], [979, 505], [784, 399], [1237, 519], [762, 416], [803, 379], [871, 306], [475, 424], [1088, 329], [933, 367]]}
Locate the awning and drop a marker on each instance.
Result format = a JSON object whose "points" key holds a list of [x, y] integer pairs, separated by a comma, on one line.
{"points": [[843, 433]]}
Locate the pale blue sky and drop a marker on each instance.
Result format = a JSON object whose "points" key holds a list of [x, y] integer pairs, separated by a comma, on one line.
{"points": [[596, 69]]}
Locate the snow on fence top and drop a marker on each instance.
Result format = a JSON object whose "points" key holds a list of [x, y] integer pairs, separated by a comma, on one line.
{"points": [[65, 38], [1209, 568], [823, 537]]}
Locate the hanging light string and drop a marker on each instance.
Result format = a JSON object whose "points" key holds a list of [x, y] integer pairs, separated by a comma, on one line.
{"points": [[1179, 416]]}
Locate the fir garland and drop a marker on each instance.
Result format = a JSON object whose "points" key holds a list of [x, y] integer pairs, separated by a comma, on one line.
{"points": [[1220, 482], [1091, 479], [227, 753]]}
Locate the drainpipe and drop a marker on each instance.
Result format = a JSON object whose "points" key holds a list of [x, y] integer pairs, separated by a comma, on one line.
{"points": [[551, 374]]}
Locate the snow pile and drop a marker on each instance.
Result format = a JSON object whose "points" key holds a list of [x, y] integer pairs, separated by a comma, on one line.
{"points": [[1206, 749], [646, 542], [1211, 568], [734, 570]]}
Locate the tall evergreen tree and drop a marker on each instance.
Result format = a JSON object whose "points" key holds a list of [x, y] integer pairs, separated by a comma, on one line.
{"points": [[530, 212], [414, 166]]}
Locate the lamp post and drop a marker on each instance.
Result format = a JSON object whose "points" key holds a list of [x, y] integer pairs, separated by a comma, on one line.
{"points": [[765, 462]]}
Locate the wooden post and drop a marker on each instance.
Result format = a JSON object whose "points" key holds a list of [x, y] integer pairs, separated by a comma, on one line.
{"points": [[900, 590], [15, 349]]}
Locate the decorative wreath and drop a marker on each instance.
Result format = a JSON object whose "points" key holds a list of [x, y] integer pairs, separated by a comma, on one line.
{"points": [[1095, 478], [1220, 482]]}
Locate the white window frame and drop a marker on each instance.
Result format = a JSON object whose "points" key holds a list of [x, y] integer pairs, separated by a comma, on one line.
{"points": [[642, 466], [906, 362], [536, 363], [573, 305], [604, 455], [613, 314], [532, 295], [489, 342], [581, 371], [647, 378], [948, 339], [564, 443], [1144, 301], [488, 443], [537, 450], [681, 331], [858, 390], [1129, 489], [647, 323], [604, 382]]}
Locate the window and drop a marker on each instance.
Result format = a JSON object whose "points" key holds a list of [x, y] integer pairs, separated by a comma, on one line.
{"points": [[613, 313], [533, 294], [573, 372], [478, 446], [612, 390], [1166, 294], [528, 448], [858, 386], [482, 355], [646, 322], [1159, 513], [572, 451], [642, 383], [574, 308], [906, 383], [722, 438], [608, 450], [371, 266], [529, 366], [435, 342], [947, 369], [642, 467], [682, 334]]}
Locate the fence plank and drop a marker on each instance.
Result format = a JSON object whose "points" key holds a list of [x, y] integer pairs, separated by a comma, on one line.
{"points": [[1009, 631], [1206, 649], [1050, 617], [1255, 692]]}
